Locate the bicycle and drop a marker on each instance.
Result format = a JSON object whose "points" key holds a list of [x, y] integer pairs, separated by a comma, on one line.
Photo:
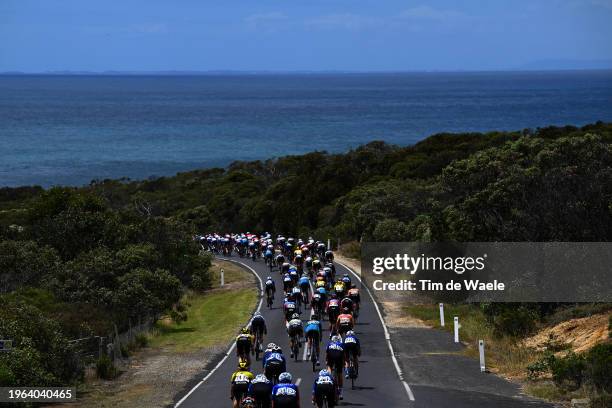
{"points": [[295, 346], [258, 345], [352, 370], [269, 298], [313, 355]]}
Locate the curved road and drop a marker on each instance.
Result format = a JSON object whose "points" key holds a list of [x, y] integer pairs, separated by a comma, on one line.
{"points": [[379, 384]]}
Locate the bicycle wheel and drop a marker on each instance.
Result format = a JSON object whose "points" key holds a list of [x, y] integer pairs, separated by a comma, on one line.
{"points": [[313, 357]]}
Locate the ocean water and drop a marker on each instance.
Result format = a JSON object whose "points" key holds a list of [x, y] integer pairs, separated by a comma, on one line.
{"points": [[72, 129]]}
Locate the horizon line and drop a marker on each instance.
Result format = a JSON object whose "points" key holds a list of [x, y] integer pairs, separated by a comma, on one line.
{"points": [[288, 72]]}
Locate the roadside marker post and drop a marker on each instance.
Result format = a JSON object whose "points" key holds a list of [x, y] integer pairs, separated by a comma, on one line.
{"points": [[328, 244], [482, 356], [456, 321], [441, 314], [222, 277]]}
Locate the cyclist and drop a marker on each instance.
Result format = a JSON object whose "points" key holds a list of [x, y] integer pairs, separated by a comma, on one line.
{"points": [[316, 265], [346, 279], [354, 295], [324, 387], [304, 285], [241, 379], [261, 389], [347, 303], [258, 329], [274, 362], [316, 303], [339, 288], [352, 351], [331, 266], [329, 256], [290, 308], [313, 331], [335, 360], [244, 344], [270, 289], [293, 273], [333, 311], [345, 322], [295, 329], [248, 402], [268, 257], [285, 394], [279, 260], [308, 264], [296, 295], [287, 282]]}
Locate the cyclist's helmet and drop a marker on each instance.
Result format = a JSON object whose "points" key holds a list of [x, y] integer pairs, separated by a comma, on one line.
{"points": [[271, 346], [350, 333], [345, 275], [295, 316], [243, 364], [334, 296], [247, 402], [353, 285], [285, 378], [269, 278], [345, 310], [323, 372], [245, 330], [277, 349], [336, 339], [256, 314]]}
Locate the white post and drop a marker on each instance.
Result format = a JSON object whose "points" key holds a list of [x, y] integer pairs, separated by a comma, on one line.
{"points": [[456, 321], [222, 277], [441, 314], [328, 244], [482, 355]]}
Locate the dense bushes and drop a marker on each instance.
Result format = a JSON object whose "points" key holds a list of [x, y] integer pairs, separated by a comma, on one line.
{"points": [[100, 264], [571, 371], [41, 354]]}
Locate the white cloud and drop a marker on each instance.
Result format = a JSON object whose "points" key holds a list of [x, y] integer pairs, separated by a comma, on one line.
{"points": [[346, 21], [430, 13], [263, 18]]}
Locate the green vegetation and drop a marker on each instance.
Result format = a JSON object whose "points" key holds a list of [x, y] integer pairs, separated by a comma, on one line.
{"points": [[86, 259], [209, 321], [77, 266]]}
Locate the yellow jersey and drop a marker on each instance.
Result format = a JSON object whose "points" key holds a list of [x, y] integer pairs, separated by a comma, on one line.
{"points": [[242, 377]]}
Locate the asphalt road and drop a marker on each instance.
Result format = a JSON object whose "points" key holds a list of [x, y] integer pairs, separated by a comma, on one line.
{"points": [[379, 384]]}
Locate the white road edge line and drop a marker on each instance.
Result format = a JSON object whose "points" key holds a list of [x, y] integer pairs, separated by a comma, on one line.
{"points": [[387, 336], [229, 352]]}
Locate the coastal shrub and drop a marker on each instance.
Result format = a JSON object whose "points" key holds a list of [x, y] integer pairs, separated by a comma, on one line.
{"points": [[141, 340], [568, 372], [599, 367], [41, 354], [105, 368], [511, 320]]}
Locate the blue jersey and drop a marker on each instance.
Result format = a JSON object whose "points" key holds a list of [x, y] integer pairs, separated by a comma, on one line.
{"points": [[313, 325], [303, 281], [335, 345], [321, 380], [351, 341], [286, 392], [273, 356]]}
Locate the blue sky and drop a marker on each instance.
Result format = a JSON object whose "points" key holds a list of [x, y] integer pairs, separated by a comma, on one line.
{"points": [[362, 35]]}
